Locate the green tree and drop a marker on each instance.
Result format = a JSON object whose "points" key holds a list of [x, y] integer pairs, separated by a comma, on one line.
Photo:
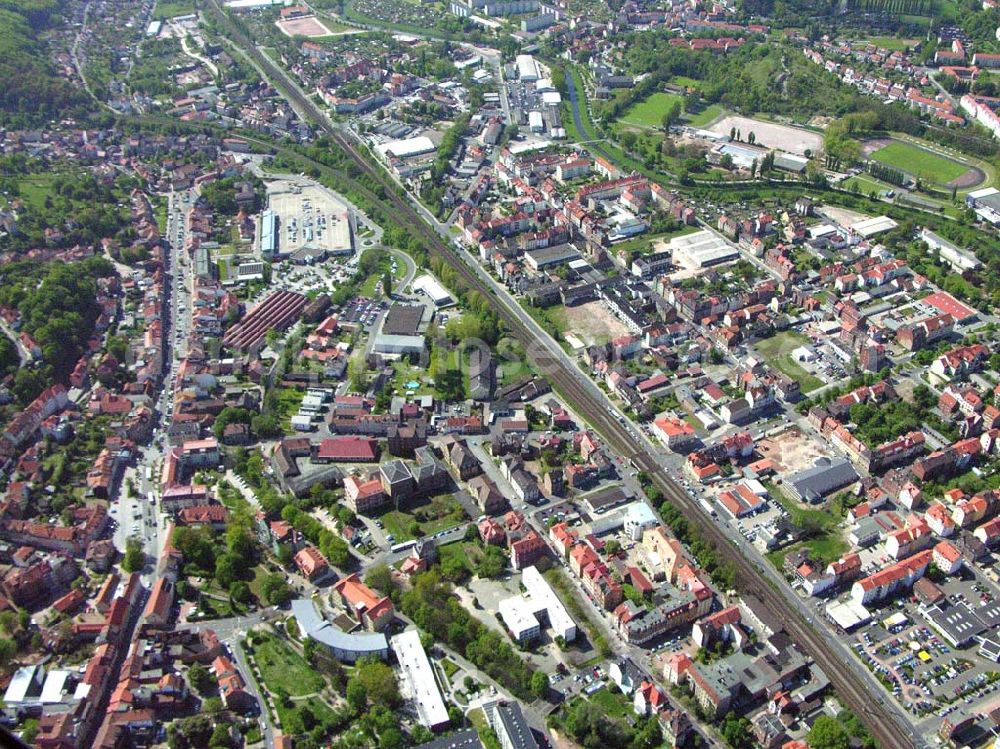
{"points": [[8, 649], [276, 590], [357, 373], [356, 695], [240, 592], [736, 732], [380, 578], [454, 569], [228, 568], [29, 730], [828, 733], [387, 284], [671, 116], [200, 678], [539, 684], [135, 557], [379, 682], [221, 737], [493, 563], [230, 415]]}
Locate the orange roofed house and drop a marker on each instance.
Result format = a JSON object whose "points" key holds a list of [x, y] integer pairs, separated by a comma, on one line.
{"points": [[311, 563], [364, 604], [232, 688]]}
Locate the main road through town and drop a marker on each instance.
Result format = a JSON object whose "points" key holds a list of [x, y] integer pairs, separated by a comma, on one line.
{"points": [[855, 688]]}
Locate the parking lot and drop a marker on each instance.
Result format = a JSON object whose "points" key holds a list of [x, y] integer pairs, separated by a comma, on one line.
{"points": [[362, 311], [925, 673]]}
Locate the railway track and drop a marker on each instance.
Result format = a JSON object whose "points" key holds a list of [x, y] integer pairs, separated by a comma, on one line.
{"points": [[849, 686]]}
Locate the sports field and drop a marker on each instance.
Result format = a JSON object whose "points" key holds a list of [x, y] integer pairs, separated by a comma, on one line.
{"points": [[309, 26], [649, 113], [919, 162], [771, 134]]}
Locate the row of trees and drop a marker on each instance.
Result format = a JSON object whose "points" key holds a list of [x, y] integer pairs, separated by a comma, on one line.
{"points": [[885, 173]]}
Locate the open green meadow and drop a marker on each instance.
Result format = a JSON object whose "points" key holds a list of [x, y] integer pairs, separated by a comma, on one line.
{"points": [[649, 113]]}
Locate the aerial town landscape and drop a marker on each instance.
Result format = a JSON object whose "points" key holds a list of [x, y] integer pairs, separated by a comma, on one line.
{"points": [[500, 374]]}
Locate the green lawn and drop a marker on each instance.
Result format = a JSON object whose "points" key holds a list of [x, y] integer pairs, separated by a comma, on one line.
{"points": [[614, 704], [34, 188], [683, 80], [449, 666], [260, 572], [892, 43], [174, 8], [478, 720], [160, 208], [289, 400], [512, 371], [826, 545], [283, 668], [702, 118], [216, 605], [763, 70], [823, 549], [406, 373], [437, 514], [291, 718], [644, 243], [372, 287], [649, 113], [466, 551], [919, 162], [866, 184], [777, 352]]}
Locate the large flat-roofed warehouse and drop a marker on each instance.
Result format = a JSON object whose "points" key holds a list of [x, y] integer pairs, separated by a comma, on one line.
{"points": [[304, 216], [398, 345], [403, 319], [268, 234], [434, 291], [702, 249], [869, 227], [404, 149], [527, 68], [826, 476], [418, 676], [986, 204], [277, 312], [550, 257]]}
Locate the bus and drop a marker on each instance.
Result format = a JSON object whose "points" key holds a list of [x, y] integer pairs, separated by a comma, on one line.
{"points": [[152, 498], [403, 546]]}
